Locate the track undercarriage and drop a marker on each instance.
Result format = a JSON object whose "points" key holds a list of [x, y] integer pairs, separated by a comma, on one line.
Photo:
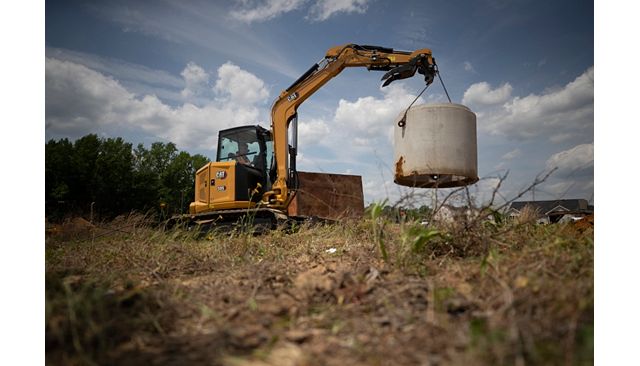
{"points": [[255, 220]]}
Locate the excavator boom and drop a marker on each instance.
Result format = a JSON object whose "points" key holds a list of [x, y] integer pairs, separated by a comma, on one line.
{"points": [[398, 64]]}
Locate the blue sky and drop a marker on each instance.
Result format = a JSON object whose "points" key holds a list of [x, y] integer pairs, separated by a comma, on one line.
{"points": [[180, 71]]}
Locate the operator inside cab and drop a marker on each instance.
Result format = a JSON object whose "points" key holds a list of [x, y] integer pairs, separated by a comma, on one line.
{"points": [[239, 145], [242, 156]]}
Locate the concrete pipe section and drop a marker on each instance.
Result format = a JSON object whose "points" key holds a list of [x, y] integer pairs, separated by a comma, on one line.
{"points": [[436, 147]]}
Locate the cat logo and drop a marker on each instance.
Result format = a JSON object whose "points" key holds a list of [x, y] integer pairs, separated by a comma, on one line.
{"points": [[293, 96]]}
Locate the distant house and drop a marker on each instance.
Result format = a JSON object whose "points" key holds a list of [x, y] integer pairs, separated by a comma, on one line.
{"points": [[444, 213], [552, 211], [447, 213]]}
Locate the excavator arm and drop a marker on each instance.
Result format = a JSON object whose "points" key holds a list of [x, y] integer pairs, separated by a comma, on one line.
{"points": [[398, 64]]}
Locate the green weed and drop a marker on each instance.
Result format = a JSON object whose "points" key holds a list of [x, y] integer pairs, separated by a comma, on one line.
{"points": [[378, 224]]}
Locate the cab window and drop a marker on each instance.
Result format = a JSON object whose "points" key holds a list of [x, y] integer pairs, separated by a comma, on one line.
{"points": [[241, 145]]}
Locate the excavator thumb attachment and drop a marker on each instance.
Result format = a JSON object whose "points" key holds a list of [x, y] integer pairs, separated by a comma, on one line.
{"points": [[400, 72], [418, 64]]}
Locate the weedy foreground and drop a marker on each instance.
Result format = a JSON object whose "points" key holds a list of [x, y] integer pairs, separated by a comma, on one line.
{"points": [[368, 292]]}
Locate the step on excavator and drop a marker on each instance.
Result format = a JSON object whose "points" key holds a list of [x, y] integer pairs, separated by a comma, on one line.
{"points": [[254, 177]]}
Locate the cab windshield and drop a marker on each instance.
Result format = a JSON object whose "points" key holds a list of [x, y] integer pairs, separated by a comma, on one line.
{"points": [[241, 145]]}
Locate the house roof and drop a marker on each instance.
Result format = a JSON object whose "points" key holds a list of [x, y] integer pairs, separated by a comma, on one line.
{"points": [[544, 207]]}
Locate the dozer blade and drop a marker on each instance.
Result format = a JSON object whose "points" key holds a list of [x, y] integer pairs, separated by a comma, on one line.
{"points": [[327, 196]]}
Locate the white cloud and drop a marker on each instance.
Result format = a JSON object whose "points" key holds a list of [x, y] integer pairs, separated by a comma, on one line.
{"points": [[121, 70], [361, 141], [484, 191], [468, 66], [512, 154], [559, 115], [81, 101], [321, 10], [207, 26], [196, 81], [559, 189], [265, 10], [574, 177], [572, 161], [374, 117], [570, 188], [576, 94], [312, 132], [72, 86], [324, 9], [242, 87], [561, 137], [377, 189], [482, 95]]}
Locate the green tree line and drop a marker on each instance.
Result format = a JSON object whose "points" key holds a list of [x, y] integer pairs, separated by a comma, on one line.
{"points": [[398, 214], [117, 178]]}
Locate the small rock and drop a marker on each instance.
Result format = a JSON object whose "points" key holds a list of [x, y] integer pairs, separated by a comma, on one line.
{"points": [[250, 336], [372, 274], [314, 279], [298, 336], [287, 354], [382, 320]]}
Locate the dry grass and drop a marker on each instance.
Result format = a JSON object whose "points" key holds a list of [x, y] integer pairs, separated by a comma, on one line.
{"points": [[464, 292]]}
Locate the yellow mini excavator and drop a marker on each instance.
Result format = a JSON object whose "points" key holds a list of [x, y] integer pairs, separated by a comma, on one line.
{"points": [[255, 174]]}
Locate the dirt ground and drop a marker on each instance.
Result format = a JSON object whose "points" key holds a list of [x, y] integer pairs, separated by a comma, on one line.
{"points": [[131, 295]]}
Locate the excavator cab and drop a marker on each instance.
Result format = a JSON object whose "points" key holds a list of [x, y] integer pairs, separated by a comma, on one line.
{"points": [[241, 172], [250, 146]]}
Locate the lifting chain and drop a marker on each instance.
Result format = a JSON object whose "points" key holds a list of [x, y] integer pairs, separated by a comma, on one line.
{"points": [[403, 120]]}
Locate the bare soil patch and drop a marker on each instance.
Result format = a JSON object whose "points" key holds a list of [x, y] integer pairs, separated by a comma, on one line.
{"points": [[149, 297]]}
